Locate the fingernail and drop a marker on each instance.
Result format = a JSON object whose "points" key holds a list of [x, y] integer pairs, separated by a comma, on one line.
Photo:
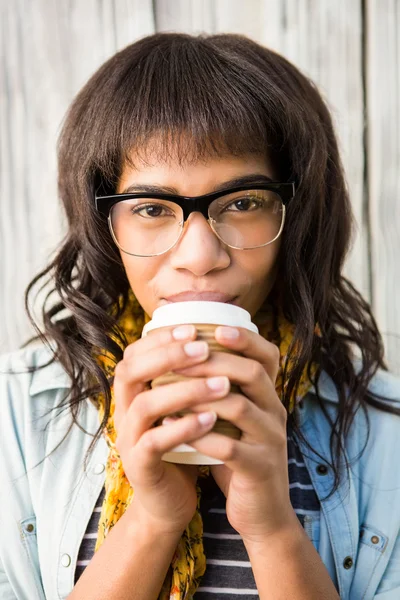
{"points": [[229, 333], [207, 418], [218, 384], [196, 349], [183, 332]]}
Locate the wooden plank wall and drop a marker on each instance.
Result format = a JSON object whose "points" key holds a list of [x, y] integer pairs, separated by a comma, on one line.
{"points": [[350, 49], [383, 164]]}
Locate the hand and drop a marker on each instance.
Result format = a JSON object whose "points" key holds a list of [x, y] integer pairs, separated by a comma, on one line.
{"points": [[254, 476], [164, 493]]}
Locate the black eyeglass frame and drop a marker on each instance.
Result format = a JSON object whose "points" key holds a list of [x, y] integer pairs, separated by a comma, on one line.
{"points": [[189, 204]]}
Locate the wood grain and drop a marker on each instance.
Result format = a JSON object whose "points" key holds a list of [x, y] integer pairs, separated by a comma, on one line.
{"points": [[48, 51], [50, 48], [383, 87], [323, 39]]}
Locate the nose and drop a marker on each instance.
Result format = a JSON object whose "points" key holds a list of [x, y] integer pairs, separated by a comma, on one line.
{"points": [[199, 250]]}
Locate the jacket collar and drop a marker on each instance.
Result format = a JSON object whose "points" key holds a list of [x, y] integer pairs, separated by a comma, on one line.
{"points": [[49, 377], [383, 384]]}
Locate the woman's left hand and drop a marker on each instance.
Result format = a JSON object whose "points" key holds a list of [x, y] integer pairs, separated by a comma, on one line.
{"points": [[254, 477]]}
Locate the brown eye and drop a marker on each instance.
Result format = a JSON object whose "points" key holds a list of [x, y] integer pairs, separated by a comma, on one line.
{"points": [[150, 210], [243, 204]]}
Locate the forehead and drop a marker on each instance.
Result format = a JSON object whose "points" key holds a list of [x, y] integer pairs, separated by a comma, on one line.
{"points": [[191, 177]]}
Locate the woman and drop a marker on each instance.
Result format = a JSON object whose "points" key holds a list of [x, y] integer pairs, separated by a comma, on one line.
{"points": [[305, 505]]}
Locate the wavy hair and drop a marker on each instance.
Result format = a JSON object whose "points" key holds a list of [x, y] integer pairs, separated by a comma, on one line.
{"points": [[227, 95]]}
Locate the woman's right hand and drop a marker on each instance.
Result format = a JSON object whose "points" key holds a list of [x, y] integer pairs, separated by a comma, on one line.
{"points": [[164, 493]]}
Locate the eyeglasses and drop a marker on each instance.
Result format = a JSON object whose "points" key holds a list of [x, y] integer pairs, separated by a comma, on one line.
{"points": [[246, 217]]}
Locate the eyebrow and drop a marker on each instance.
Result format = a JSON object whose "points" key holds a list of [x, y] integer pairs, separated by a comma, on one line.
{"points": [[236, 182]]}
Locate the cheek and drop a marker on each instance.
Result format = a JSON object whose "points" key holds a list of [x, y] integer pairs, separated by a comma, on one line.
{"points": [[140, 273], [262, 264]]}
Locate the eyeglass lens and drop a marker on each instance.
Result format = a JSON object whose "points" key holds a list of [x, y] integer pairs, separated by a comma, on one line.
{"points": [[147, 226]]}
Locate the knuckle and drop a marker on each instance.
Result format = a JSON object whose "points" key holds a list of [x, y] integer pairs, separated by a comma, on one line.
{"points": [[256, 371], [229, 451], [149, 442], [240, 407], [139, 406], [282, 438], [275, 353], [118, 443], [129, 351], [281, 412], [120, 370]]}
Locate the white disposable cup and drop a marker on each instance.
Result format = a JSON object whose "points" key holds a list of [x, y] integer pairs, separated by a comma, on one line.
{"points": [[206, 316]]}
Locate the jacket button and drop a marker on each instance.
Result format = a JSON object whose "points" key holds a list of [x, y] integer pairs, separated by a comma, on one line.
{"points": [[99, 468], [65, 560], [30, 527], [348, 562], [322, 469], [375, 539]]}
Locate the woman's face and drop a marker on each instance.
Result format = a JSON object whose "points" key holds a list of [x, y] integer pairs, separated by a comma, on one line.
{"points": [[200, 266]]}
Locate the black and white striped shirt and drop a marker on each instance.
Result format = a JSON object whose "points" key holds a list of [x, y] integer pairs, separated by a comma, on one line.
{"points": [[228, 573]]}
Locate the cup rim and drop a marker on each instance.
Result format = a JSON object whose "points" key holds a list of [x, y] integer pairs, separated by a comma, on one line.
{"points": [[198, 312]]}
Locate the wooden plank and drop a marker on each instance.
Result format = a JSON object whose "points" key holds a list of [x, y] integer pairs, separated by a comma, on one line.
{"points": [[324, 39], [383, 86], [188, 16], [49, 49]]}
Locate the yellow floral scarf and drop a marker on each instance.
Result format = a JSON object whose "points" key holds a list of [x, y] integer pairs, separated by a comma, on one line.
{"points": [[189, 562]]}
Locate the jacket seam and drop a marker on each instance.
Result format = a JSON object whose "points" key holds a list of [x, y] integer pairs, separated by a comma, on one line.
{"points": [[67, 517], [36, 572], [324, 511], [372, 574]]}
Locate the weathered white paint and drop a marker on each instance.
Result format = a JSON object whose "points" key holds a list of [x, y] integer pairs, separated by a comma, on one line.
{"points": [[323, 39], [383, 87], [49, 49]]}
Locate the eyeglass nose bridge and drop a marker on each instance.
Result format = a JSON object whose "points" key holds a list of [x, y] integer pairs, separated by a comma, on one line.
{"points": [[200, 205], [203, 210]]}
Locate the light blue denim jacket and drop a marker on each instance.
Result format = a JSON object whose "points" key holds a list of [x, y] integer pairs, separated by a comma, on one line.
{"points": [[44, 511]]}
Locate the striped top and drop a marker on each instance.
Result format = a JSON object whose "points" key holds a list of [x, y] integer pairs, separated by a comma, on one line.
{"points": [[228, 572]]}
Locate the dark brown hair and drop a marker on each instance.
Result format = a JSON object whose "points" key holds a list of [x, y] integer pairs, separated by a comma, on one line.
{"points": [[227, 95]]}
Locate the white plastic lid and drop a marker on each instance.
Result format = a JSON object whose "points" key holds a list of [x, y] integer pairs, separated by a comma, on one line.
{"points": [[195, 311]]}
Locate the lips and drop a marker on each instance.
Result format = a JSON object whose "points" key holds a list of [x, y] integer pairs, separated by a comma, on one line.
{"points": [[210, 296]]}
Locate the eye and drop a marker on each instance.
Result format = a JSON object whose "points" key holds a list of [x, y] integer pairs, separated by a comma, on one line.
{"points": [[244, 204], [150, 210]]}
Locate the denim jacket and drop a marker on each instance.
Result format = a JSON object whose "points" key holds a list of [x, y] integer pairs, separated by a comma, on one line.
{"points": [[44, 510]]}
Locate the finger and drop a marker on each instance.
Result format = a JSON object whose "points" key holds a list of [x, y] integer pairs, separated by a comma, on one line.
{"points": [[151, 405], [131, 375], [237, 455], [255, 424], [156, 339], [247, 373], [155, 442], [252, 345], [159, 338]]}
